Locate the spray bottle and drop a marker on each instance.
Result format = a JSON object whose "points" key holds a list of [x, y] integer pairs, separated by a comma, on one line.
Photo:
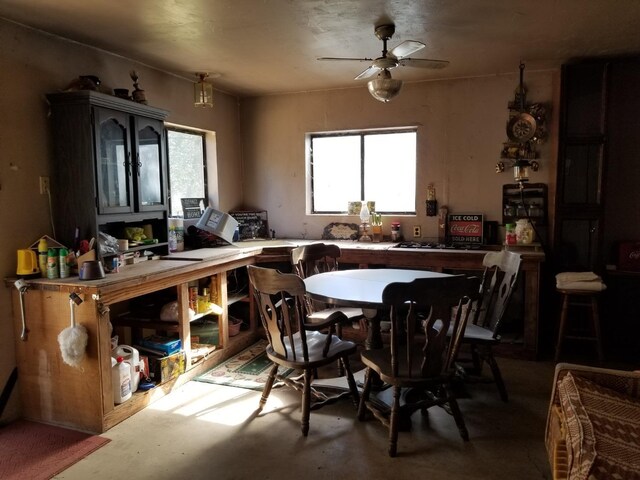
{"points": [[43, 249]]}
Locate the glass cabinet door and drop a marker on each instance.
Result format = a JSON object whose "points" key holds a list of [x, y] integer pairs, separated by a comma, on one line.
{"points": [[113, 161], [149, 163]]}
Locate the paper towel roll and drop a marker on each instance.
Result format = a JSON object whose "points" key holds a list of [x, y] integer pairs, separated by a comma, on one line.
{"points": [[176, 234]]}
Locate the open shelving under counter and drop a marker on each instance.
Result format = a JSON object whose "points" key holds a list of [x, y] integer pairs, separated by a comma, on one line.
{"points": [[82, 398]]}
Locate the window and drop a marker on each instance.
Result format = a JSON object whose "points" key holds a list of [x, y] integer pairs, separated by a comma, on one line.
{"points": [[375, 166], [187, 167]]}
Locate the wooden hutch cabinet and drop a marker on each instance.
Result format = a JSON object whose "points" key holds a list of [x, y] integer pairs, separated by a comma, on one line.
{"points": [[110, 168]]}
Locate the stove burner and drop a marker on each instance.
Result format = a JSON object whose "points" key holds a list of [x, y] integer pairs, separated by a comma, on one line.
{"points": [[433, 245]]}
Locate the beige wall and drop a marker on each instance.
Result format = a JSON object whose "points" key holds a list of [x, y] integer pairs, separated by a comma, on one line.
{"points": [[33, 64], [461, 127]]}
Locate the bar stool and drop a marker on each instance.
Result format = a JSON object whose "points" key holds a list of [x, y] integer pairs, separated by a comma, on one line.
{"points": [[579, 298]]}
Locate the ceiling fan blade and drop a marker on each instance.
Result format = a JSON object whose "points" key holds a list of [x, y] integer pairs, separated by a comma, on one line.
{"points": [[406, 48], [346, 58], [369, 72], [422, 63]]}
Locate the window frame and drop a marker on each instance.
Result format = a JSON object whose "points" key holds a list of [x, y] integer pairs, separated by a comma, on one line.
{"points": [[362, 134], [202, 136]]}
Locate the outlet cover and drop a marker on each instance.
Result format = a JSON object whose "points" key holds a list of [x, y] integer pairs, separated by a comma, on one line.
{"points": [[417, 231]]}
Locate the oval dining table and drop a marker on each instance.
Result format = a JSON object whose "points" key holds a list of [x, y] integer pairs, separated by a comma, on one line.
{"points": [[362, 288]]}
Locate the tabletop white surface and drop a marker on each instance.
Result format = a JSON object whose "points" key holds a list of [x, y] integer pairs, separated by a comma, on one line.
{"points": [[360, 288]]}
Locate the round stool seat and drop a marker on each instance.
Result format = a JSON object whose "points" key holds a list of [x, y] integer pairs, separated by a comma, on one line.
{"points": [[586, 298]]}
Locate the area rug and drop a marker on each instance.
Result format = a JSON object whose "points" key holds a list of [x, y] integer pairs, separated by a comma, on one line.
{"points": [[247, 369], [38, 452]]}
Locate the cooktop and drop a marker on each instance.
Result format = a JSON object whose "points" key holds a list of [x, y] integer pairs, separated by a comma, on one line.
{"points": [[436, 245]]}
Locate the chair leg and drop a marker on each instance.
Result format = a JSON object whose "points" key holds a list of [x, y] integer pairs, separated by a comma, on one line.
{"points": [[476, 360], [339, 334], [393, 424], [364, 397], [497, 376], [563, 325], [267, 387], [353, 388], [306, 402], [457, 414], [596, 327]]}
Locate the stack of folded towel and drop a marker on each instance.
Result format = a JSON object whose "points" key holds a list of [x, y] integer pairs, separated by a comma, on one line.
{"points": [[580, 281]]}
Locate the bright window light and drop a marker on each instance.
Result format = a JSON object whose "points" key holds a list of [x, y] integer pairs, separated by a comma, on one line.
{"points": [[187, 168], [375, 166]]}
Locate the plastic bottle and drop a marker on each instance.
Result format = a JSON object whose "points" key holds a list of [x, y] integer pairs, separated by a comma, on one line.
{"points": [[43, 249], [121, 381], [510, 235], [131, 356], [53, 270], [63, 262], [395, 231]]}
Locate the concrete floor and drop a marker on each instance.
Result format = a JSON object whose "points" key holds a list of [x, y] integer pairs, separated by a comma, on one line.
{"points": [[204, 431]]}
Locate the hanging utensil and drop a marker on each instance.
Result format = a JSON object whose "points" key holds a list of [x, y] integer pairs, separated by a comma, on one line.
{"points": [[22, 287]]}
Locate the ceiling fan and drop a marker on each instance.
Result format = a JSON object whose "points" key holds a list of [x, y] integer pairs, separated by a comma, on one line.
{"points": [[384, 87]]}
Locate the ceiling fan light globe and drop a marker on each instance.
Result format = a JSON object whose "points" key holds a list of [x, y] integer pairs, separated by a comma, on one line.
{"points": [[384, 89]]}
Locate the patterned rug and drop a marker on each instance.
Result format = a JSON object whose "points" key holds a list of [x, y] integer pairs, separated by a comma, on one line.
{"points": [[37, 451], [247, 369]]}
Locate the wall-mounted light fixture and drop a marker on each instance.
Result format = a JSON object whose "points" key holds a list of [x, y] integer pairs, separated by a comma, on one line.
{"points": [[203, 92]]}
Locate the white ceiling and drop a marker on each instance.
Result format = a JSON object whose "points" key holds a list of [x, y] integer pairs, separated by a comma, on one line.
{"points": [[271, 46]]}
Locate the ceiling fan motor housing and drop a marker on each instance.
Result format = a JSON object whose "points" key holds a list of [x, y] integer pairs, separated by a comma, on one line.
{"points": [[385, 32]]}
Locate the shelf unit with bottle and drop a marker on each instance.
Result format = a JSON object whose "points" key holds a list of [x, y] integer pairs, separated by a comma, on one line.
{"points": [[62, 395], [534, 196]]}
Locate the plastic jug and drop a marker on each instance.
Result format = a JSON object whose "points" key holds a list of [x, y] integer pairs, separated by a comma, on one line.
{"points": [[121, 381], [131, 356]]}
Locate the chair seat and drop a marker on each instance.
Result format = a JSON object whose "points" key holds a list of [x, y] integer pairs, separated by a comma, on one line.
{"points": [[472, 333], [316, 342], [379, 361], [321, 316]]}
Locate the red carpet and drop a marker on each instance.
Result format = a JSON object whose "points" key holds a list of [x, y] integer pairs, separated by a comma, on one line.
{"points": [[37, 451]]}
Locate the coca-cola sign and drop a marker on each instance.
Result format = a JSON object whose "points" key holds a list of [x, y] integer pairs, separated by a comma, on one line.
{"points": [[465, 228]]}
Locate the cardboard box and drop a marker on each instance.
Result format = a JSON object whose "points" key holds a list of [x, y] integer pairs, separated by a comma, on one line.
{"points": [[163, 369]]}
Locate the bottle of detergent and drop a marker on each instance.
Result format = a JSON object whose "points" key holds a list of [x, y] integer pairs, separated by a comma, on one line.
{"points": [[121, 380]]}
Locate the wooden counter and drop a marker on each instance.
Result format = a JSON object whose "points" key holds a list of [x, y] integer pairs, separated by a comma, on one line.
{"points": [[53, 392]]}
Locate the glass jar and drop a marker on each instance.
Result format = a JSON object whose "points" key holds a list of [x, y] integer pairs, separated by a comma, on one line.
{"points": [[509, 210], [524, 231]]}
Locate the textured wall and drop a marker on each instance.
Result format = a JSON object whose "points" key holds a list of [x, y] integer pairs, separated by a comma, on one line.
{"points": [[33, 64], [461, 127]]}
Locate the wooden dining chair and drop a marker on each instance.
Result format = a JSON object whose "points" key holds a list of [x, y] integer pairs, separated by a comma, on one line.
{"points": [[483, 331], [317, 258], [280, 298], [419, 356]]}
